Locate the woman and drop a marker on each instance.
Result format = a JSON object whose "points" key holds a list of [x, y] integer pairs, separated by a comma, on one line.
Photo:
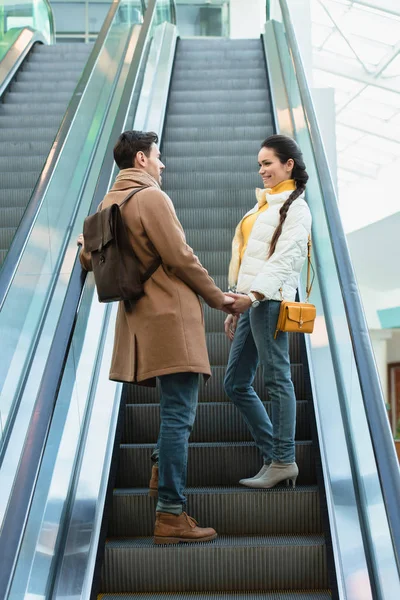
{"points": [[268, 252]]}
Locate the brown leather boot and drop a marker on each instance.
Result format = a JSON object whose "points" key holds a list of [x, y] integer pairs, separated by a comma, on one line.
{"points": [[172, 529], [153, 485]]}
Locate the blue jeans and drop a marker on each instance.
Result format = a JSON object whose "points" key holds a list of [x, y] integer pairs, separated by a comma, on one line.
{"points": [[178, 404], [253, 343]]}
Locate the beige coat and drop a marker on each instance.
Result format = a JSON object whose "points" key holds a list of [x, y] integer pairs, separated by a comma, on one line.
{"points": [[165, 331]]}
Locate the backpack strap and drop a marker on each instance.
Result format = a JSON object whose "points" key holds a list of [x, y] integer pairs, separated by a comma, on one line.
{"points": [[132, 193], [156, 263]]}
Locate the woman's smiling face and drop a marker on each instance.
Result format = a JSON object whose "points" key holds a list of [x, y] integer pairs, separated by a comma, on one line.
{"points": [[272, 170]]}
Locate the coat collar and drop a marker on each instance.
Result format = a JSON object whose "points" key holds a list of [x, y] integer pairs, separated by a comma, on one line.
{"points": [[128, 178]]}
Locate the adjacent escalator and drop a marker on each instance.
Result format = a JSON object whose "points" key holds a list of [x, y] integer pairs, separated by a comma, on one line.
{"points": [[30, 115]]}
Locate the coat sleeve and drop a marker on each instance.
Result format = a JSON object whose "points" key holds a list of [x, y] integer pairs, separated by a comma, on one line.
{"points": [[165, 232], [290, 249]]}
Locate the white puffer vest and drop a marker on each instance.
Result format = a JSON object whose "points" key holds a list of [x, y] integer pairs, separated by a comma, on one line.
{"points": [[258, 273]]}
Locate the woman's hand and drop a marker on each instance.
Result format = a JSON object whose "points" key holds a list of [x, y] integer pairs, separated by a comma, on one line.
{"points": [[230, 326], [241, 304]]}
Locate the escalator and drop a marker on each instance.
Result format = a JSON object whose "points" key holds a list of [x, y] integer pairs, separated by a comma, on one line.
{"points": [[269, 540], [30, 116], [84, 524]]}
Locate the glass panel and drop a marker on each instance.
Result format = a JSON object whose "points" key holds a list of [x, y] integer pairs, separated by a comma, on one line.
{"points": [[14, 16], [30, 311], [43, 544], [331, 346]]}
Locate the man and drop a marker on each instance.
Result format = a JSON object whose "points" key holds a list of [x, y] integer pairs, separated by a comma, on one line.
{"points": [[163, 336]]}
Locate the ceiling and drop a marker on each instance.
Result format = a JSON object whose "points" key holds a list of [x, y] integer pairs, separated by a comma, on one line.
{"points": [[356, 50]]}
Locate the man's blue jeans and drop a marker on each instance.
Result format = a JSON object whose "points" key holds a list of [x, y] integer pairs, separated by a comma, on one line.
{"points": [[253, 343], [178, 404]]}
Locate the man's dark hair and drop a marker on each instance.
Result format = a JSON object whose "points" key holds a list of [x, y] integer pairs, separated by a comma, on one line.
{"points": [[130, 143]]}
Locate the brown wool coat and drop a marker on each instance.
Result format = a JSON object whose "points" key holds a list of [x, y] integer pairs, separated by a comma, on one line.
{"points": [[165, 331]]}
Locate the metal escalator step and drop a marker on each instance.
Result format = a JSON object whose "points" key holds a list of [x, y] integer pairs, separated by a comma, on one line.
{"points": [[246, 163], [213, 391], [53, 65], [63, 48], [13, 198], [62, 75], [188, 74], [236, 107], [237, 201], [214, 43], [29, 148], [11, 217], [19, 180], [28, 121], [280, 595], [208, 96], [210, 464], [204, 120], [225, 218], [62, 97], [24, 163], [211, 181], [215, 263], [6, 236], [219, 135], [217, 239], [42, 86], [16, 110], [202, 83], [239, 563], [284, 511], [215, 421], [209, 149], [184, 64], [3, 253], [31, 130], [220, 54]]}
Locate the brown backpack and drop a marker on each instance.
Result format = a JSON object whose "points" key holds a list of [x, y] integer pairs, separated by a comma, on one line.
{"points": [[116, 267]]}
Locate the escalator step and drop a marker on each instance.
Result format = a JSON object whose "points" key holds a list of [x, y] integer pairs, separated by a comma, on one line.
{"points": [[24, 163], [231, 511], [227, 96], [53, 66], [237, 107], [260, 119], [50, 76], [39, 96], [217, 55], [218, 134], [210, 464], [42, 86], [185, 64], [210, 149], [233, 84], [28, 121], [277, 562], [45, 108], [29, 131], [220, 422], [213, 391], [281, 595], [11, 217], [211, 181], [19, 180], [15, 198], [224, 218], [219, 164], [31, 148], [220, 74]]}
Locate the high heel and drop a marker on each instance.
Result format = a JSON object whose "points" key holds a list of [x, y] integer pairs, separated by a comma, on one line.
{"points": [[276, 473]]}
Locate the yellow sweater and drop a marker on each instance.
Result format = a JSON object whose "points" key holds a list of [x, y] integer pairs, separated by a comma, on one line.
{"points": [[248, 222]]}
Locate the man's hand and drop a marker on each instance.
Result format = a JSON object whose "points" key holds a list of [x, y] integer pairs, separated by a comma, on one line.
{"points": [[80, 241], [230, 326], [241, 303], [228, 303]]}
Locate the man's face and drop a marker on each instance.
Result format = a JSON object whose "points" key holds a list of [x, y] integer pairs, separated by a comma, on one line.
{"points": [[151, 164]]}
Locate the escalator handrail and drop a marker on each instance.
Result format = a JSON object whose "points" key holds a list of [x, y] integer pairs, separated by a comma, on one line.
{"points": [[16, 55], [28, 470], [373, 400], [21, 236]]}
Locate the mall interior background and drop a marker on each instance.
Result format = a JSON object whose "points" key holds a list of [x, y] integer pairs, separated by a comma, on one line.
{"points": [[351, 51]]}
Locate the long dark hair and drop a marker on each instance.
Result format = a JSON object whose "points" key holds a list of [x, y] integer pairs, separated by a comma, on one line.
{"points": [[285, 148]]}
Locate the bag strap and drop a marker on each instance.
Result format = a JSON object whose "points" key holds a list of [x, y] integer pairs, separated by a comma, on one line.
{"points": [[156, 263], [132, 193], [309, 269]]}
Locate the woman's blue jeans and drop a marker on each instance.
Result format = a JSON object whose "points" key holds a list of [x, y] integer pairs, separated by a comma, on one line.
{"points": [[178, 404], [254, 343]]}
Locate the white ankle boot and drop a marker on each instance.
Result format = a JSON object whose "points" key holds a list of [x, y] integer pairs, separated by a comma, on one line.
{"points": [[260, 473], [276, 473]]}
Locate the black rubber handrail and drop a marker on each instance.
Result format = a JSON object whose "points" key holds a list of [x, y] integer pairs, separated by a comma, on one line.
{"points": [[371, 391], [25, 481], [14, 253]]}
